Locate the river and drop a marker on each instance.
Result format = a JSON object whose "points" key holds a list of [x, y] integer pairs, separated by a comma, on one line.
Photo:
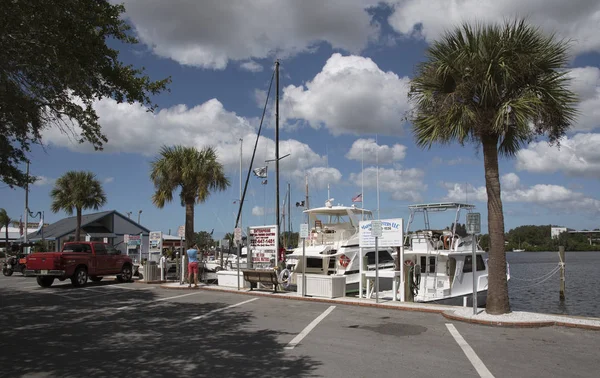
{"points": [[528, 291]]}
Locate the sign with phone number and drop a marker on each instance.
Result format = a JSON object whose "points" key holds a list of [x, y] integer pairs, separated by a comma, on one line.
{"points": [[263, 238]]}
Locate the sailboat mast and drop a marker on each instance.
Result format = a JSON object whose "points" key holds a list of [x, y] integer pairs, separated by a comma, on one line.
{"points": [[289, 214], [241, 144], [277, 155]]}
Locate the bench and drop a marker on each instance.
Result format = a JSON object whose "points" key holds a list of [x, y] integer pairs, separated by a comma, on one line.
{"points": [[265, 277]]}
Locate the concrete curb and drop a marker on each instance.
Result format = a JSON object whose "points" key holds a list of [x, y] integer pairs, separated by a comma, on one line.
{"points": [[448, 314]]}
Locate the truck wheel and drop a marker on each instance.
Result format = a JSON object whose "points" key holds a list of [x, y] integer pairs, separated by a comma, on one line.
{"points": [[45, 281], [126, 274], [95, 278], [80, 277]]}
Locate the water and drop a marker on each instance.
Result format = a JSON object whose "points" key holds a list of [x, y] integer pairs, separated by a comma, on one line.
{"points": [[582, 270]]}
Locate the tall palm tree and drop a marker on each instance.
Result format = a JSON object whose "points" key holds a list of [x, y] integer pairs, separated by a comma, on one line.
{"points": [[498, 86], [196, 173], [4, 222], [76, 191]]}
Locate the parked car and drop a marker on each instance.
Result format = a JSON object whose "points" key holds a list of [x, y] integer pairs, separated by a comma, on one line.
{"points": [[78, 261]]}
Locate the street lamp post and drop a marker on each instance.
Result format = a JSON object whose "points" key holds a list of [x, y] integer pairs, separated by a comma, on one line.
{"points": [[139, 213]]}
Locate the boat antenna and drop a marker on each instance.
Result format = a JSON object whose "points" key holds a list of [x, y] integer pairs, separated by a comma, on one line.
{"points": [[327, 161]]}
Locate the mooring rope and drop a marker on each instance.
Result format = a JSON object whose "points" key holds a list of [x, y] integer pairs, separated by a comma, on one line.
{"points": [[554, 270], [538, 283]]}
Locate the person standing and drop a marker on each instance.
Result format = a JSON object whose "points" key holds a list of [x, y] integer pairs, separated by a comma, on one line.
{"points": [[192, 254]]}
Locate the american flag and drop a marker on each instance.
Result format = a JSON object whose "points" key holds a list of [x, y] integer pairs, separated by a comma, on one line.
{"points": [[357, 198]]}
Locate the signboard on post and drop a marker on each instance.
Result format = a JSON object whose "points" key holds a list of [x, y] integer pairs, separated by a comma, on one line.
{"points": [[391, 231], [181, 231], [133, 241], [474, 223], [155, 239], [126, 238], [237, 234], [304, 230], [263, 241]]}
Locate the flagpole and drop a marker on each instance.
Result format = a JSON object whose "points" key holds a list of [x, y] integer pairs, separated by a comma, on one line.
{"points": [[377, 163], [362, 178]]}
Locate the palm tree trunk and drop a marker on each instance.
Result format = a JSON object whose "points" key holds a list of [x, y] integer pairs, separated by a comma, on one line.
{"points": [[78, 228], [189, 222], [497, 297]]}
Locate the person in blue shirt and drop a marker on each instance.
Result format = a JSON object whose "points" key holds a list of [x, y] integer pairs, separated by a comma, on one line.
{"points": [[192, 254]]}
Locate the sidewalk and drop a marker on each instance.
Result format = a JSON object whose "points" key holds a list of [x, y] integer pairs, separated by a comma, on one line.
{"points": [[464, 314]]}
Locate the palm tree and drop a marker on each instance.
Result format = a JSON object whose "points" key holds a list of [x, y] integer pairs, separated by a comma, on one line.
{"points": [[77, 190], [4, 222], [196, 173], [498, 86]]}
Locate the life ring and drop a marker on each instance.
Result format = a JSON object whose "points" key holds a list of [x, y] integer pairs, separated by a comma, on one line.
{"points": [[285, 277], [344, 261]]}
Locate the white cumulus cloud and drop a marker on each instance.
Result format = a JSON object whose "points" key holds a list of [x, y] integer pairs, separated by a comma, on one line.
{"points": [[132, 129], [369, 151], [577, 20], [402, 184], [251, 66], [209, 34], [585, 82], [554, 197], [351, 95], [43, 180], [258, 211], [577, 156]]}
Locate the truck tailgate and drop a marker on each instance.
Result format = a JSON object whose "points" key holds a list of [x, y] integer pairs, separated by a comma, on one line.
{"points": [[43, 260]]}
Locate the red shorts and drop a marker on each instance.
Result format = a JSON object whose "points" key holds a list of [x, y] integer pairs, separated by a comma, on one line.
{"points": [[193, 267]]}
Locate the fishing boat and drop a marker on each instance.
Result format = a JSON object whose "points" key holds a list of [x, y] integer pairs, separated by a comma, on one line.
{"points": [[441, 260], [332, 247]]}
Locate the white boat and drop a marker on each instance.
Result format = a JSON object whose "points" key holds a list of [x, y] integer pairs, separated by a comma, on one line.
{"points": [[332, 246], [518, 249], [442, 260]]}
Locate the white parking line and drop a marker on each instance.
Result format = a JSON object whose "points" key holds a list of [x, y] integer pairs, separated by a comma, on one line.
{"points": [[126, 287], [469, 352], [296, 340], [221, 309], [158, 300]]}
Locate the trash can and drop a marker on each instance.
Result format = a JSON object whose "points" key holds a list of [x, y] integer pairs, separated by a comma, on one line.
{"points": [[150, 271]]}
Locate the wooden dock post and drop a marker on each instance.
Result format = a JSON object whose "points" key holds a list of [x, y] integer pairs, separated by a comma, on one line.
{"points": [[561, 254]]}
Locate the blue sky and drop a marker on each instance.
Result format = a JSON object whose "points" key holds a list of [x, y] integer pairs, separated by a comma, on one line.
{"points": [[345, 69]]}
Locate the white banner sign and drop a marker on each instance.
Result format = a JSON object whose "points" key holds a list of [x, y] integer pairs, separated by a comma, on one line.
{"points": [[155, 241], [181, 231], [392, 234], [263, 238]]}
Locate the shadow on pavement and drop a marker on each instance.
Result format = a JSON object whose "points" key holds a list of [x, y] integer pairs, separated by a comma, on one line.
{"points": [[45, 335]]}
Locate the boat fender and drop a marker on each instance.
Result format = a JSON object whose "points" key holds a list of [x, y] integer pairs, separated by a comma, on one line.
{"points": [[446, 243], [344, 260]]}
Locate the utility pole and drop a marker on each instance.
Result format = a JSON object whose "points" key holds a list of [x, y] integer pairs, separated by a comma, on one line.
{"points": [[26, 207], [277, 154]]}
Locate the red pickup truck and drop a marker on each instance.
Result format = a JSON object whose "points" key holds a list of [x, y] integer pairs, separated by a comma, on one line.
{"points": [[78, 261]]}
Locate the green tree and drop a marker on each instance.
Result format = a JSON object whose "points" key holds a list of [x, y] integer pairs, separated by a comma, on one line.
{"points": [[497, 86], [195, 173], [54, 64], [204, 240], [5, 222], [77, 191]]}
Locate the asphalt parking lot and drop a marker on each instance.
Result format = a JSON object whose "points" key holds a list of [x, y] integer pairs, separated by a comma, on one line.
{"points": [[133, 330]]}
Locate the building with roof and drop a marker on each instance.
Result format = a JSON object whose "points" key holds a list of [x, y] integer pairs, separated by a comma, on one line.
{"points": [[107, 226]]}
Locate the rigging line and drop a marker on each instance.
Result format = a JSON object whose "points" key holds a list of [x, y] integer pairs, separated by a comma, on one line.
{"points": [[262, 118]]}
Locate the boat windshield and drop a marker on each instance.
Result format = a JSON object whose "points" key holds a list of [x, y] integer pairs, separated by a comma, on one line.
{"points": [[353, 218]]}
